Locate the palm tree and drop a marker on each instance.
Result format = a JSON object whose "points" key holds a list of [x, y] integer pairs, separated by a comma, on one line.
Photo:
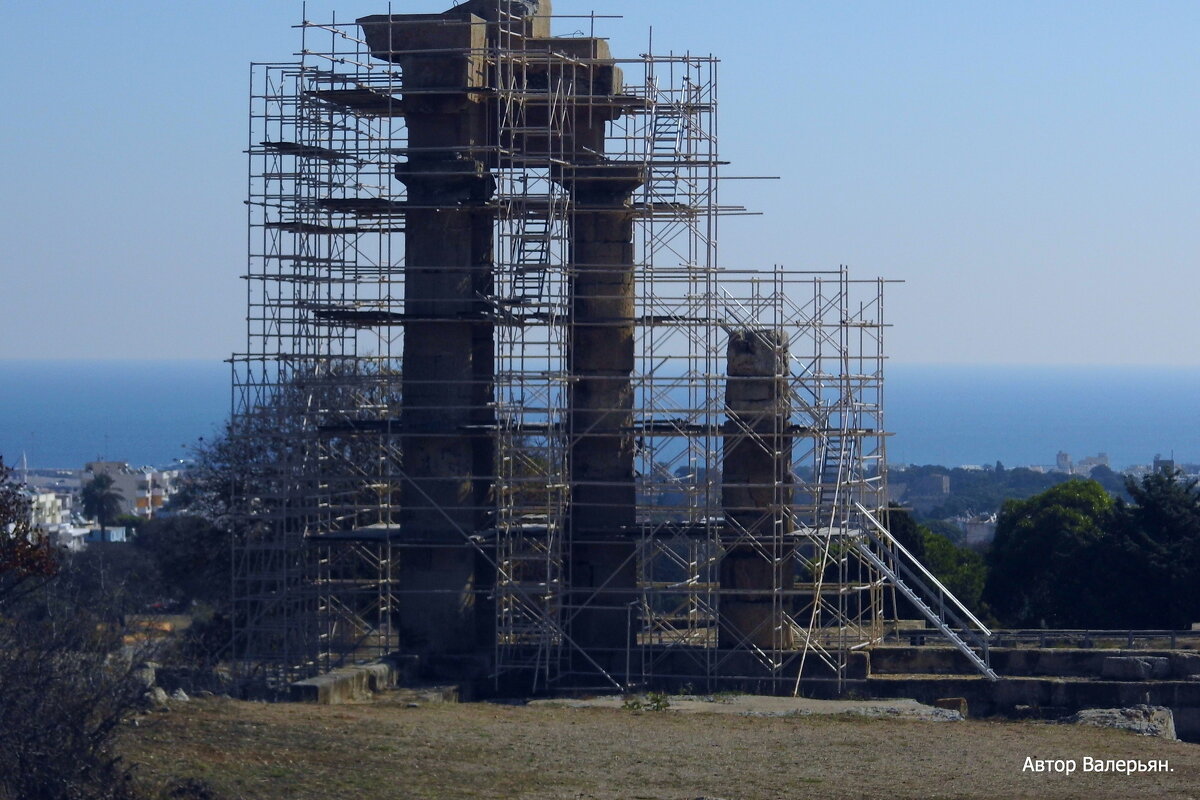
{"points": [[102, 501]]}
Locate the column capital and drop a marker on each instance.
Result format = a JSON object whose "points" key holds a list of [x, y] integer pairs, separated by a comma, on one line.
{"points": [[609, 183]]}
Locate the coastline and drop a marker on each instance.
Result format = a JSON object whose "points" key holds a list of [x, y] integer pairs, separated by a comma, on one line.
{"points": [[63, 413]]}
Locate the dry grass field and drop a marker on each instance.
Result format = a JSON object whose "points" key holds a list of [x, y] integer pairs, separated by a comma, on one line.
{"points": [[389, 750]]}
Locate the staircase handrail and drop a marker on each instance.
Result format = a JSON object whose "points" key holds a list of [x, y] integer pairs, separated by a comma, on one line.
{"points": [[938, 618], [892, 541], [916, 590]]}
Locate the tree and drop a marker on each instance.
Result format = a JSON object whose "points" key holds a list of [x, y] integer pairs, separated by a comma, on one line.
{"points": [[904, 528], [193, 557], [110, 579], [1157, 545], [65, 696], [1111, 481], [960, 569], [62, 693], [26, 560], [101, 501], [946, 529], [1047, 564], [978, 490]]}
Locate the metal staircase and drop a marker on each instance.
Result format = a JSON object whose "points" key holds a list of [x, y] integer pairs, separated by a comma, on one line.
{"points": [[837, 457], [665, 145], [530, 259], [935, 602]]}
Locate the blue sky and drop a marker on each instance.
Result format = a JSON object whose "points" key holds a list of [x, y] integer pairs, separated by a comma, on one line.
{"points": [[1029, 169]]}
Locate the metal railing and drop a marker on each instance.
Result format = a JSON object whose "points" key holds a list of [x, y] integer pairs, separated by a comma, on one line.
{"points": [[927, 594]]}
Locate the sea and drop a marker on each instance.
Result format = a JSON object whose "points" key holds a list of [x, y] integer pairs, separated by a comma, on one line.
{"points": [[62, 413]]}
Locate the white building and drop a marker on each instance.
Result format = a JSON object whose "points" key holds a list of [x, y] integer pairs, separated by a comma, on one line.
{"points": [[69, 537], [47, 509], [979, 529]]}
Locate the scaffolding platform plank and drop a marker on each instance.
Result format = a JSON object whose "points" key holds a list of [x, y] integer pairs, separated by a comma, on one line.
{"points": [[363, 102], [317, 229], [306, 151], [366, 206]]}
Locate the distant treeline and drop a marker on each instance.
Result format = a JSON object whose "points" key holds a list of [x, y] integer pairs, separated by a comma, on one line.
{"points": [[1075, 556], [983, 491]]}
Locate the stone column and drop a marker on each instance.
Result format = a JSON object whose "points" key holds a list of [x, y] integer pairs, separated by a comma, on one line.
{"points": [[448, 455], [448, 357], [600, 361], [447, 383], [756, 492]]}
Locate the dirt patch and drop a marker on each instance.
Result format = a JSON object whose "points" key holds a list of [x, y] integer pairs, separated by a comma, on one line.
{"points": [[764, 706], [481, 750]]}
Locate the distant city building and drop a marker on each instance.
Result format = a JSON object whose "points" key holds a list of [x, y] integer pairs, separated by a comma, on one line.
{"points": [[95, 535], [920, 493], [1086, 465], [46, 509], [1062, 462], [51, 496], [1163, 464], [72, 538], [978, 529], [51, 519], [62, 483], [143, 490]]}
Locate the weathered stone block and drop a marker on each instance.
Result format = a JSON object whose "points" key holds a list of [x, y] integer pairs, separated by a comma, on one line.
{"points": [[1184, 665], [612, 308], [756, 353], [146, 675], [435, 51], [1134, 668], [345, 684], [155, 697], [594, 58], [958, 704], [748, 570], [1143, 719], [527, 17], [601, 349]]}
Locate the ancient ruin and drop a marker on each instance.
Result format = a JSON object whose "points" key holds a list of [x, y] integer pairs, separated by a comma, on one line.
{"points": [[513, 413]]}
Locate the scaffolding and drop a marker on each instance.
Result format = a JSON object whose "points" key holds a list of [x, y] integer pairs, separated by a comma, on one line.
{"points": [[738, 536]]}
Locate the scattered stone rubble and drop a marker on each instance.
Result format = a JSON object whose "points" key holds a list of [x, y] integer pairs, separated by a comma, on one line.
{"points": [[154, 696]]}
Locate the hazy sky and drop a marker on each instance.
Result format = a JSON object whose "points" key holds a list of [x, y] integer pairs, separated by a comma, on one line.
{"points": [[1031, 170]]}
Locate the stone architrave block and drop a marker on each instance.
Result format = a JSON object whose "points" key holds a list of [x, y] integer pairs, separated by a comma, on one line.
{"points": [[1185, 665]]}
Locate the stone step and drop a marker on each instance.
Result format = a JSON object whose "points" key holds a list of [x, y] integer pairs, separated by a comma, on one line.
{"points": [[1042, 662], [1044, 697]]}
